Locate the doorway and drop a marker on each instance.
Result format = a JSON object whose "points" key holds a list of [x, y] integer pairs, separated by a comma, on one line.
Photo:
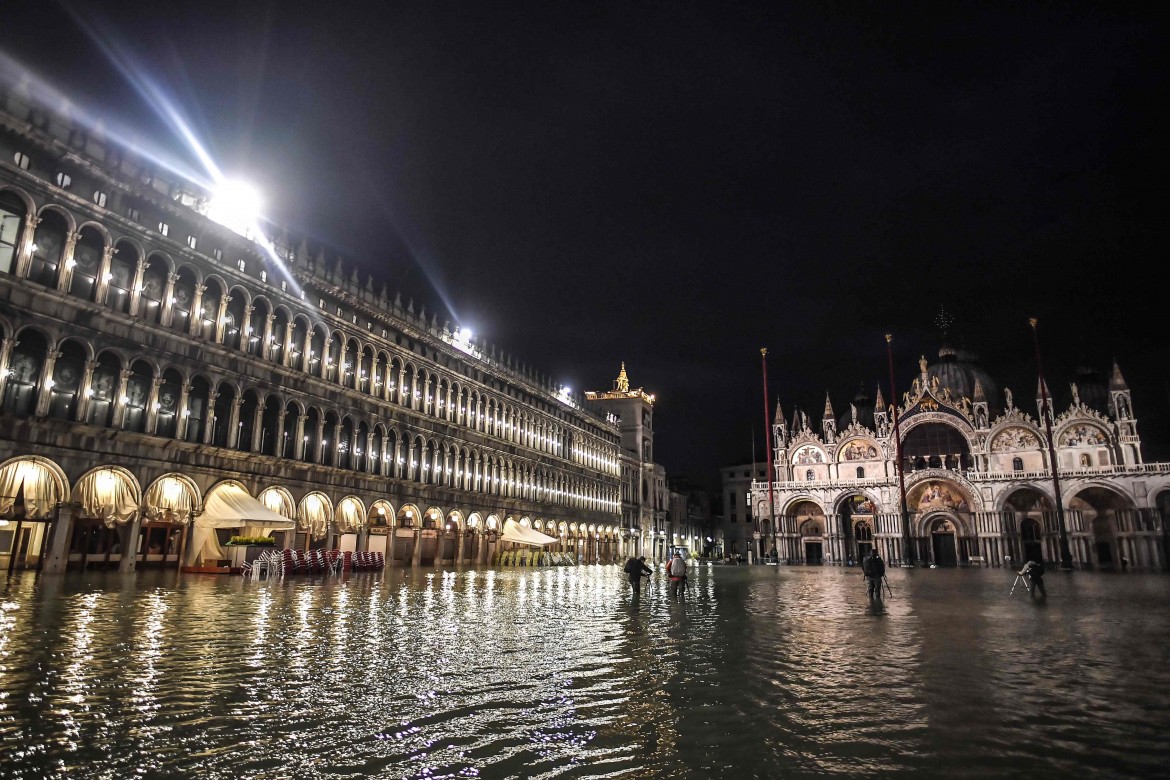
{"points": [[813, 553], [942, 542], [944, 549]]}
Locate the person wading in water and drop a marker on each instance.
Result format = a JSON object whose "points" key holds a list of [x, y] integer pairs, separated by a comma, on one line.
{"points": [[874, 568], [635, 568], [677, 569]]}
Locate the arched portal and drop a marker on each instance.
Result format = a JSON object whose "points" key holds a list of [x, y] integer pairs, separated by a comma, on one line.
{"points": [[942, 541]]}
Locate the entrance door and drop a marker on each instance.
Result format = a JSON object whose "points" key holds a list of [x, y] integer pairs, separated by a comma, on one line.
{"points": [[944, 549], [812, 553], [1104, 554]]}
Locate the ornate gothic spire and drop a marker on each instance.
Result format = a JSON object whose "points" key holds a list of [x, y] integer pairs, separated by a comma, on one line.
{"points": [[1116, 380]]}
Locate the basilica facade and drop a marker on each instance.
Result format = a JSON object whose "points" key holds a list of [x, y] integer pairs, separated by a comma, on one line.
{"points": [[155, 363], [977, 481]]}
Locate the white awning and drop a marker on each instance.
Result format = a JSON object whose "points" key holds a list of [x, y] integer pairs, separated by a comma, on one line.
{"points": [[230, 506], [514, 532]]}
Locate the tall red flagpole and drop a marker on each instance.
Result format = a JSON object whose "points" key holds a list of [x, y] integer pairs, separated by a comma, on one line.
{"points": [[768, 448], [907, 540], [1046, 411]]}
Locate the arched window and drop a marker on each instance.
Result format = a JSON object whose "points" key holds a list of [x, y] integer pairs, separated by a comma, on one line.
{"points": [[87, 260], [103, 390], [12, 214], [269, 425], [223, 415], [209, 309], [66, 388], [253, 339], [154, 286], [137, 396], [169, 394], [289, 445], [48, 243], [120, 278], [247, 425], [1017, 464], [233, 336], [861, 472], [809, 476], [24, 374], [310, 437], [197, 409], [1086, 461], [182, 299]]}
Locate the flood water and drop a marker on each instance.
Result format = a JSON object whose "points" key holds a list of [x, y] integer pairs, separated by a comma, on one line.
{"points": [[761, 672]]}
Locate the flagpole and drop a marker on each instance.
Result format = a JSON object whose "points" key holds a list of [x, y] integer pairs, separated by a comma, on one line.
{"points": [[907, 539], [1046, 413], [768, 450]]}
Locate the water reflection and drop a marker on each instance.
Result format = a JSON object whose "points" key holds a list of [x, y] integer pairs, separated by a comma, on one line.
{"points": [[757, 672]]}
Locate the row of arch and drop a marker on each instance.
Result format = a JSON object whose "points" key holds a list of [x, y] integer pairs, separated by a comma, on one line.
{"points": [[113, 494], [72, 380], [86, 261]]}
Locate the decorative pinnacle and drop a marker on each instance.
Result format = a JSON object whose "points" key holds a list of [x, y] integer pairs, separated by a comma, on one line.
{"points": [[1032, 321], [889, 337], [764, 352]]}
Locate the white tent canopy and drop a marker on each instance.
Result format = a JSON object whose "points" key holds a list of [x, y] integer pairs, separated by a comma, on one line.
{"points": [[514, 532], [229, 506]]}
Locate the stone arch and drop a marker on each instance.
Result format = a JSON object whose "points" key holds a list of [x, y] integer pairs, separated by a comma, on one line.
{"points": [[108, 493], [381, 513], [409, 516], [40, 481], [314, 514], [350, 515], [172, 498], [280, 500]]}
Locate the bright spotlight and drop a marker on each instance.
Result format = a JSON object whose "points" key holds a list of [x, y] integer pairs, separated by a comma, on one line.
{"points": [[236, 206], [465, 335]]}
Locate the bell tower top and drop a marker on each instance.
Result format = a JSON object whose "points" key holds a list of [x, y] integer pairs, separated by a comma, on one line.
{"points": [[622, 383]]}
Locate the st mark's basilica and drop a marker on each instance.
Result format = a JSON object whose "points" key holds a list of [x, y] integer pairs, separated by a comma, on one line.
{"points": [[978, 484]]}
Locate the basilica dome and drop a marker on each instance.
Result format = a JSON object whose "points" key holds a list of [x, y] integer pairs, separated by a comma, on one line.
{"points": [[1092, 388], [863, 403], [958, 370]]}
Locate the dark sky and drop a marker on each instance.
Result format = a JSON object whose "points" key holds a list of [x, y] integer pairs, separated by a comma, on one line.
{"points": [[677, 185]]}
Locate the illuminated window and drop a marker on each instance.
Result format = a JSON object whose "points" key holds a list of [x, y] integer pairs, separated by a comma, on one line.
{"points": [[21, 160], [264, 276], [63, 180], [134, 214], [99, 198], [164, 228], [218, 254], [241, 264], [191, 241]]}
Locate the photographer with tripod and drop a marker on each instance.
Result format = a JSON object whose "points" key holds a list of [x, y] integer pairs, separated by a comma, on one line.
{"points": [[1033, 574], [874, 570]]}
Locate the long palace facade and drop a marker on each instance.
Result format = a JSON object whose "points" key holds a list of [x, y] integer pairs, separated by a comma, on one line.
{"points": [[979, 487], [154, 363]]}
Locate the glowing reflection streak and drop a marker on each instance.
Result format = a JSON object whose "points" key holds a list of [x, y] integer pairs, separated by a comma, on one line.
{"points": [[78, 640], [148, 653], [9, 612]]}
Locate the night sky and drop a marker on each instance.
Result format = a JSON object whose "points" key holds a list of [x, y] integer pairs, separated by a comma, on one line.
{"points": [[677, 185]]}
